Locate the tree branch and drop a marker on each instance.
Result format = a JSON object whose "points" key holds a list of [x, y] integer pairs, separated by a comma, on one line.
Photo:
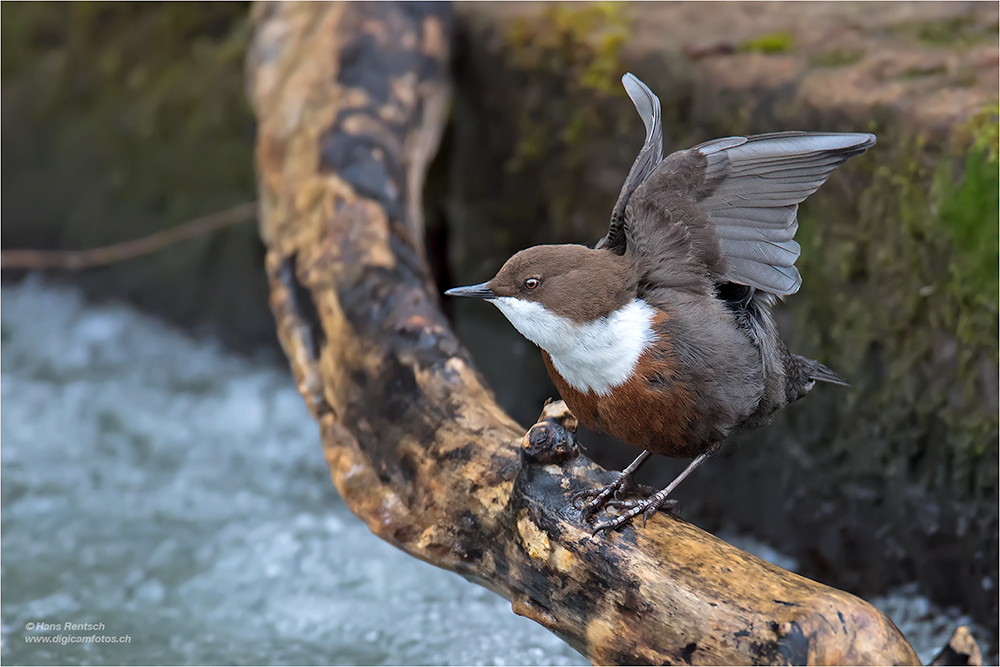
{"points": [[351, 101], [86, 259]]}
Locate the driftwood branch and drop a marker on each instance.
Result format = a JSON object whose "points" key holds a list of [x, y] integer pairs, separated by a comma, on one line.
{"points": [[351, 100]]}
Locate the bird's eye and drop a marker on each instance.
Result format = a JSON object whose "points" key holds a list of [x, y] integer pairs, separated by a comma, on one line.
{"points": [[531, 283]]}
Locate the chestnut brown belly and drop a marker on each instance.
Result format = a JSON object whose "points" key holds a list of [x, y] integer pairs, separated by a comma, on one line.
{"points": [[652, 411]]}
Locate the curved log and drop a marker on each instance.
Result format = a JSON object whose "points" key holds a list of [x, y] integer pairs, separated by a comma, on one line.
{"points": [[351, 101]]}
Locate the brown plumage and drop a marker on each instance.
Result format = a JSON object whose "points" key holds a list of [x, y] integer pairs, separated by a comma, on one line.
{"points": [[662, 334]]}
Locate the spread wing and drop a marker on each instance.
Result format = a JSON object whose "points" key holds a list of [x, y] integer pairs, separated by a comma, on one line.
{"points": [[726, 210], [751, 190], [650, 155]]}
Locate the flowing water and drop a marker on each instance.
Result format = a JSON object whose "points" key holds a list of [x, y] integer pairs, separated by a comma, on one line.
{"points": [[175, 496]]}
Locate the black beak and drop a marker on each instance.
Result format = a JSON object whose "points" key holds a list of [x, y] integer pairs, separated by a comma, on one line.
{"points": [[480, 291]]}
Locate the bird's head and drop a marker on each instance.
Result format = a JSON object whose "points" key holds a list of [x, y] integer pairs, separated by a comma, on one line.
{"points": [[547, 289]]}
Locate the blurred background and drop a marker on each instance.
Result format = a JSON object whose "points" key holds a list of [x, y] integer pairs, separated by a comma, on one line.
{"points": [[161, 474]]}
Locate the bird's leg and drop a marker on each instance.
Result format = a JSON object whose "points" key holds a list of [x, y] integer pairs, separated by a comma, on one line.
{"points": [[598, 498], [649, 506]]}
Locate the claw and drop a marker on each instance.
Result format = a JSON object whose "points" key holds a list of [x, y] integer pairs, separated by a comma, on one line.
{"points": [[583, 495], [647, 507], [626, 485], [633, 508], [583, 498], [598, 498], [669, 505], [617, 522], [649, 511]]}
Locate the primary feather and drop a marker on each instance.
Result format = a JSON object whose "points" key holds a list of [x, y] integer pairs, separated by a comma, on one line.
{"points": [[650, 155], [751, 192]]}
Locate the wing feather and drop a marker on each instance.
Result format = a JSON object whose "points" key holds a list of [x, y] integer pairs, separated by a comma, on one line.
{"points": [[650, 155], [775, 216], [767, 251], [725, 210], [777, 279], [759, 185], [738, 198]]}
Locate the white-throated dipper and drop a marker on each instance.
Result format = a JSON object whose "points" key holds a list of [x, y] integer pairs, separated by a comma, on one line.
{"points": [[662, 335]]}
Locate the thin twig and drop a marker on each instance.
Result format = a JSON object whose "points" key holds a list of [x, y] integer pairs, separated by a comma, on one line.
{"points": [[82, 259]]}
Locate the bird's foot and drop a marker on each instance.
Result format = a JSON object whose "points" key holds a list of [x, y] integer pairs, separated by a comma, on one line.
{"points": [[647, 507], [589, 502]]}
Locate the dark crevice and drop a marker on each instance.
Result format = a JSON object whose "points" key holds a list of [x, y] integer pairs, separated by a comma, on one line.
{"points": [[305, 307]]}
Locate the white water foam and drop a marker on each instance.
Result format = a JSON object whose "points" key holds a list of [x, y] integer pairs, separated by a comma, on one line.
{"points": [[177, 493]]}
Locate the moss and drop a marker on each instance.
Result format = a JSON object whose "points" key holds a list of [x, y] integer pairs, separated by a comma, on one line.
{"points": [[967, 209], [584, 42], [904, 302], [984, 130], [965, 77], [921, 72], [576, 49], [836, 58], [774, 42], [132, 117], [133, 111], [956, 31]]}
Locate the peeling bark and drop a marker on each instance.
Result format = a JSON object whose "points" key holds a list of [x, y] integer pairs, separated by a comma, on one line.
{"points": [[351, 100]]}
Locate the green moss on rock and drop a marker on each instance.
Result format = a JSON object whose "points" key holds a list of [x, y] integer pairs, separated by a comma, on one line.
{"points": [[773, 42], [967, 210], [575, 49], [955, 31], [836, 58], [899, 295], [904, 302], [149, 96], [130, 118]]}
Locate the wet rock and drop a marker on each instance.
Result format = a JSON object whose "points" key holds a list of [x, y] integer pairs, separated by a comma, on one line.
{"points": [[868, 487]]}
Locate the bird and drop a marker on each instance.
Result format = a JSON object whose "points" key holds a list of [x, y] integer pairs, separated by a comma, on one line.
{"points": [[662, 334]]}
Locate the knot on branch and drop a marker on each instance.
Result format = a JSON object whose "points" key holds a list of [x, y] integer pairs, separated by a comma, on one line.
{"points": [[551, 439]]}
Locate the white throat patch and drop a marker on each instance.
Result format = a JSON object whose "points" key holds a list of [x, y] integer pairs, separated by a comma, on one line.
{"points": [[594, 356]]}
